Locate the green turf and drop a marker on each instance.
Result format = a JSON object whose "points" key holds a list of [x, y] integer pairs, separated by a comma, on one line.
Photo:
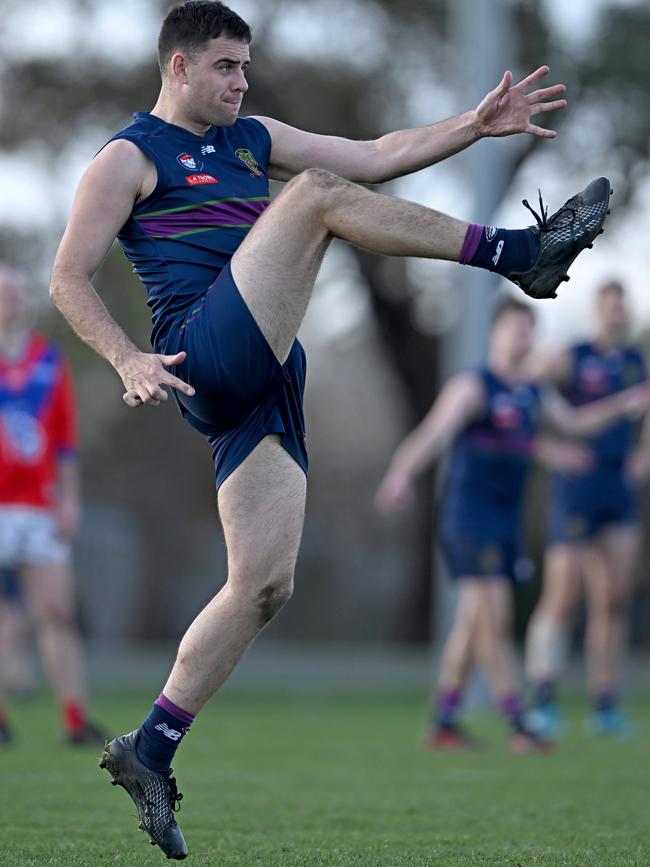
{"points": [[336, 780]]}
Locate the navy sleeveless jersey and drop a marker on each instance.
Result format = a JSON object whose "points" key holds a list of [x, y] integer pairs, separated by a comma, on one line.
{"points": [[596, 374], [490, 458], [210, 191]]}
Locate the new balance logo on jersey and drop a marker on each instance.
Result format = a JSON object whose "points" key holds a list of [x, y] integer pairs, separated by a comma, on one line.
{"points": [[208, 149], [172, 734], [497, 255]]}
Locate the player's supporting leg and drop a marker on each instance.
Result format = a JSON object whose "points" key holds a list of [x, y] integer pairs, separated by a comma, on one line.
{"points": [[261, 505], [609, 569], [455, 665], [49, 593], [276, 265], [496, 653], [547, 637]]}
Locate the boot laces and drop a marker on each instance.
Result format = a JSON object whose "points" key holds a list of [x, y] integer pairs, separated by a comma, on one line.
{"points": [[542, 218]]}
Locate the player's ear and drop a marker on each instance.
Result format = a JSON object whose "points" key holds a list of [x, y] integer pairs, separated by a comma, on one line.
{"points": [[178, 67]]}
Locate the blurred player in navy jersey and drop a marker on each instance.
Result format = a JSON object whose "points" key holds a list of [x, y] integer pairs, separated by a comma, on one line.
{"points": [[229, 275], [594, 531], [490, 418], [39, 500]]}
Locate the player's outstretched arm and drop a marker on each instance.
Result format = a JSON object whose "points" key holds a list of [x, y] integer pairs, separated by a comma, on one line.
{"points": [[506, 110], [633, 403], [460, 400], [103, 202]]}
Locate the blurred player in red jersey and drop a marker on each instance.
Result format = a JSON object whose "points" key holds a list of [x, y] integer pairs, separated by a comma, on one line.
{"points": [[39, 500]]}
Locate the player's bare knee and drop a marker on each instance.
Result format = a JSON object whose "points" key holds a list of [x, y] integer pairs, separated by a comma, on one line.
{"points": [[273, 596], [315, 186]]}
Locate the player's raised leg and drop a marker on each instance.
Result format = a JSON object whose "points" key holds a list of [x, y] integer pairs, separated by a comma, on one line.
{"points": [[276, 265], [262, 508], [608, 577]]}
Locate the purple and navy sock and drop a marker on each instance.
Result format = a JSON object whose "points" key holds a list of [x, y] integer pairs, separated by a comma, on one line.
{"points": [[605, 701], [161, 733], [545, 693], [500, 250], [447, 708], [512, 708]]}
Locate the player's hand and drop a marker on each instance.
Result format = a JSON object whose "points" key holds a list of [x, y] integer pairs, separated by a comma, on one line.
{"points": [[637, 465], [146, 378], [67, 514], [635, 401], [567, 457], [508, 108], [395, 494]]}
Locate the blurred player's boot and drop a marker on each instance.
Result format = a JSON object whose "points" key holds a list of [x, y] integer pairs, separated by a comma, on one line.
{"points": [[88, 735], [450, 738], [6, 735], [545, 721], [612, 722], [154, 794], [562, 236], [522, 741]]}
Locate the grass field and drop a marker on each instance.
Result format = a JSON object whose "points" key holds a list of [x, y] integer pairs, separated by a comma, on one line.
{"points": [[330, 780]]}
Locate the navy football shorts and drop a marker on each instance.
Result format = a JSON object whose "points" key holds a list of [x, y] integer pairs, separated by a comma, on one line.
{"points": [[483, 549], [582, 506], [10, 589], [243, 393]]}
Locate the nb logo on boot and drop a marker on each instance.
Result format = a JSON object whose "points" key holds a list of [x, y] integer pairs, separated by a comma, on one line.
{"points": [[172, 734]]}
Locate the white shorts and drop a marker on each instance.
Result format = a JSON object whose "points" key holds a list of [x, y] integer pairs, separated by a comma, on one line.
{"points": [[28, 536]]}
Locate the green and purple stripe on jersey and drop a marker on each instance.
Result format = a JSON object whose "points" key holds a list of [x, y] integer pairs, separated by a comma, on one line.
{"points": [[203, 217]]}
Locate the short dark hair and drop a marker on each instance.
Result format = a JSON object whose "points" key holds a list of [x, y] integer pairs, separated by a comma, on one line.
{"points": [[508, 304], [189, 26]]}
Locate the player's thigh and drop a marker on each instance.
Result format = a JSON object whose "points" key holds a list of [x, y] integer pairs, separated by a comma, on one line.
{"points": [[497, 605], [49, 591], [609, 568], [276, 265], [262, 508], [562, 574]]}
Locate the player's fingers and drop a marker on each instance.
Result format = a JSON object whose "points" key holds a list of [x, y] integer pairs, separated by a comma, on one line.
{"points": [[171, 360], [175, 382], [540, 131], [545, 92], [131, 398], [145, 395], [541, 107], [506, 82], [533, 78], [156, 391]]}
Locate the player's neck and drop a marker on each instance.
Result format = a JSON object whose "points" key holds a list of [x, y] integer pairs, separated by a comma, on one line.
{"points": [[606, 341], [506, 366], [167, 109]]}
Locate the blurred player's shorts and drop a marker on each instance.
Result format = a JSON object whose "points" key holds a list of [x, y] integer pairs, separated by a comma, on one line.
{"points": [[28, 536]]}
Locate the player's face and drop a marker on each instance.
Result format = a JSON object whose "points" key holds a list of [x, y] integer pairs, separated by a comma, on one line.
{"points": [[13, 304], [216, 82], [613, 314], [513, 334]]}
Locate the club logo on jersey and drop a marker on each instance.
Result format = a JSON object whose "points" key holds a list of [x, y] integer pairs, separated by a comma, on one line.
{"points": [[193, 180], [490, 233], [593, 377], [23, 435], [188, 162], [505, 415], [248, 159]]}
